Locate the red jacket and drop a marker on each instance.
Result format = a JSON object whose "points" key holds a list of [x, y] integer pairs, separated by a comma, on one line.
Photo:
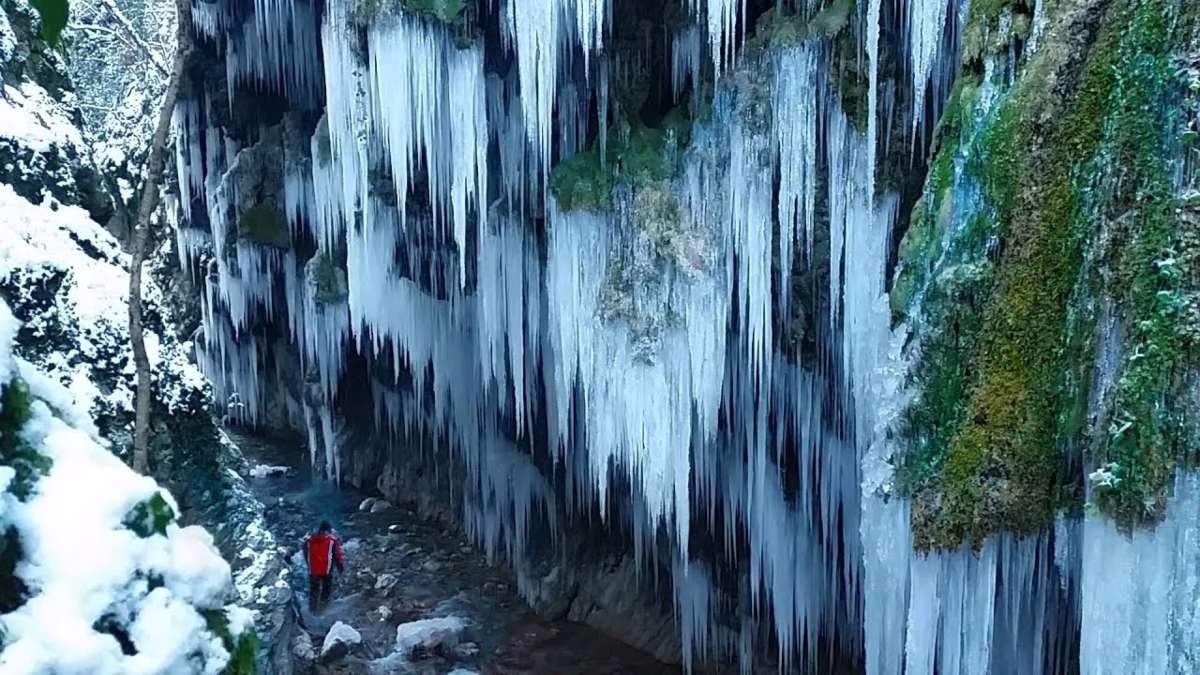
{"points": [[321, 549]]}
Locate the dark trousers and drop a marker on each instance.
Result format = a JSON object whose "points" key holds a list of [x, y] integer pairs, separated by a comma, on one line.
{"points": [[320, 586]]}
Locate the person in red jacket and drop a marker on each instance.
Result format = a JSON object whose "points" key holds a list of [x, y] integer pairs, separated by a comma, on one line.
{"points": [[323, 551]]}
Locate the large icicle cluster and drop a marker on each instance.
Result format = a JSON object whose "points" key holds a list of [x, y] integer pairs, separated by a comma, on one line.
{"points": [[636, 358]]}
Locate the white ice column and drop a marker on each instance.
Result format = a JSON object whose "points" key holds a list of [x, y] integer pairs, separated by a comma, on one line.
{"points": [[1140, 606]]}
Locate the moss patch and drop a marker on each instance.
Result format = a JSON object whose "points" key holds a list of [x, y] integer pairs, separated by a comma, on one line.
{"points": [[150, 517], [635, 153], [1144, 435], [15, 450], [329, 280], [242, 651], [264, 224], [1002, 387], [446, 11]]}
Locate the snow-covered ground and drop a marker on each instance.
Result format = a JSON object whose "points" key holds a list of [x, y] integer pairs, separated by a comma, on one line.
{"points": [[105, 581], [68, 279]]}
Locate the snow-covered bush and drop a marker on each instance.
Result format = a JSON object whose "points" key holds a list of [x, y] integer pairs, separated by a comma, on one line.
{"points": [[95, 574]]}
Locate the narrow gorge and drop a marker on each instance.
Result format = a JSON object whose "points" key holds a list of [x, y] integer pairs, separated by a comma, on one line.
{"points": [[797, 336]]}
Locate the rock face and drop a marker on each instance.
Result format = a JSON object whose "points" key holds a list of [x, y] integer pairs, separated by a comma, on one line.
{"points": [[759, 358]]}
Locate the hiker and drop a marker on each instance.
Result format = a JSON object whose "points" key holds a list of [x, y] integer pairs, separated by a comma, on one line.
{"points": [[323, 551]]}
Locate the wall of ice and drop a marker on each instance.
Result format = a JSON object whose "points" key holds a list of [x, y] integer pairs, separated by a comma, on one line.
{"points": [[629, 363]]}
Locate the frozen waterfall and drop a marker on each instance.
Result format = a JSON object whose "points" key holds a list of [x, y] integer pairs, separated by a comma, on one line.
{"points": [[705, 362]]}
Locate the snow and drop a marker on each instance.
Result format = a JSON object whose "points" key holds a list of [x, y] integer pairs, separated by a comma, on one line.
{"points": [[31, 118], [80, 562], [267, 470], [340, 634], [428, 634], [44, 242]]}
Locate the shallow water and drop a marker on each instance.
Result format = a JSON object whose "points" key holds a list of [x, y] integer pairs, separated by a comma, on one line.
{"points": [[437, 573]]}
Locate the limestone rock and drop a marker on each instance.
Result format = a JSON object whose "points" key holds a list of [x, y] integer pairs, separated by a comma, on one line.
{"points": [[428, 636], [340, 639]]}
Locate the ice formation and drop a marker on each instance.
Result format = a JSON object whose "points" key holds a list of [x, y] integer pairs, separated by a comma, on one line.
{"points": [[639, 353]]}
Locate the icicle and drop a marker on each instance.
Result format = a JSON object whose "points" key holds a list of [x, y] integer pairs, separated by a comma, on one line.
{"points": [[796, 94], [432, 113], [926, 23], [189, 166], [1140, 591], [873, 10], [721, 22], [277, 48], [685, 60]]}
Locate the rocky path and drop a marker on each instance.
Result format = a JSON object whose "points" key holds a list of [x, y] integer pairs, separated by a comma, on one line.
{"points": [[405, 575]]}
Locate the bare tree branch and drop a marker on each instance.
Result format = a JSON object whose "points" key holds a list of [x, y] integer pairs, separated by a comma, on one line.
{"points": [[111, 6]]}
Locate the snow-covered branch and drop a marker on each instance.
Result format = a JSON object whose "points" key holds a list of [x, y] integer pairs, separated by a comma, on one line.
{"points": [[150, 53]]}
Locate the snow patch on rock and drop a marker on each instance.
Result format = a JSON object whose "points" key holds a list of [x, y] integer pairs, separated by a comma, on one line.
{"points": [[340, 639], [429, 634], [159, 588]]}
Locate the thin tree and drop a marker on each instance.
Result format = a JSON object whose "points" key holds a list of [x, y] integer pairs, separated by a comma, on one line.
{"points": [[141, 234]]}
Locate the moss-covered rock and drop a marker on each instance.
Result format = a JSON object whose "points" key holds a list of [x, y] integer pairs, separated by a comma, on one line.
{"points": [[263, 224], [635, 153], [1002, 376], [327, 280], [242, 648]]}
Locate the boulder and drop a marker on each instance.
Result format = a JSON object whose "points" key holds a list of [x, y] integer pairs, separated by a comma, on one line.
{"points": [[340, 639], [384, 582], [302, 647], [466, 650], [366, 504], [429, 636], [381, 505], [267, 470]]}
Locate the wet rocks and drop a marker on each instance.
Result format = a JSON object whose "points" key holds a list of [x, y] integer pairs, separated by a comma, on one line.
{"points": [[385, 582], [366, 504], [302, 648], [340, 639], [380, 506], [267, 470], [420, 639]]}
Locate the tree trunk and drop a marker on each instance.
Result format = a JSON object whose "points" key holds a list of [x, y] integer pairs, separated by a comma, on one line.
{"points": [[141, 235]]}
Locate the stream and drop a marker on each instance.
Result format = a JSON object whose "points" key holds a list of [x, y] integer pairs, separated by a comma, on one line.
{"points": [[401, 568]]}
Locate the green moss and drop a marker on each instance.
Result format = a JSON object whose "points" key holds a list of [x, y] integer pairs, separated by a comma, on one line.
{"points": [[242, 651], [988, 424], [1144, 438], [641, 154], [150, 517], [15, 449], [1003, 386], [780, 26], [446, 11], [328, 279], [264, 224], [921, 245], [982, 34]]}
